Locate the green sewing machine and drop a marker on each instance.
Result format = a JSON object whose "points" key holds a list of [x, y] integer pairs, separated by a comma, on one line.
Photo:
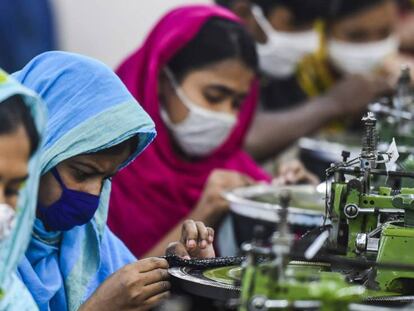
{"points": [[369, 220], [362, 255], [395, 113], [280, 284]]}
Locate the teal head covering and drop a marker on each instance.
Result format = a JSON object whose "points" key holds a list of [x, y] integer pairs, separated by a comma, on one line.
{"points": [[13, 295], [89, 110]]}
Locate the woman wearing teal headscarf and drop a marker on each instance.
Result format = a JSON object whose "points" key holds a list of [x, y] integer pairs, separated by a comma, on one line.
{"points": [[21, 124], [95, 127]]}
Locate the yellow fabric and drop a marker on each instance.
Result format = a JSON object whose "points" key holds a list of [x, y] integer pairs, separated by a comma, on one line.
{"points": [[313, 73], [315, 77]]}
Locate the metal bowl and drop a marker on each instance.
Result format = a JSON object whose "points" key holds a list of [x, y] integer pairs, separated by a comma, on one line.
{"points": [[318, 153], [259, 205]]}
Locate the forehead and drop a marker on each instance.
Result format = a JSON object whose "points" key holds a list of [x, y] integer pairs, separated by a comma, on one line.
{"points": [[14, 154], [230, 73], [106, 162]]}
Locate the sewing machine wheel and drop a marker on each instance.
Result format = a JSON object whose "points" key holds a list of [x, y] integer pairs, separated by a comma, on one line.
{"points": [[194, 282], [220, 283], [391, 301]]}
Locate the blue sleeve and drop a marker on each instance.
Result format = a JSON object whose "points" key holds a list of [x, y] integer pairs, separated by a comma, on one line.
{"points": [[114, 255]]}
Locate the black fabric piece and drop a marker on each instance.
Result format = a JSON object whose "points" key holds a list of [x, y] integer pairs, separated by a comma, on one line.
{"points": [[225, 3], [175, 261]]}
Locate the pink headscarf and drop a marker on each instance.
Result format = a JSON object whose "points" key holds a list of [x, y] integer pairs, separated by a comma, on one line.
{"points": [[153, 194]]}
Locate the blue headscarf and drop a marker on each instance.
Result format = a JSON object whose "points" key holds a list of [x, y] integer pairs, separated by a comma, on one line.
{"points": [[89, 110], [13, 294]]}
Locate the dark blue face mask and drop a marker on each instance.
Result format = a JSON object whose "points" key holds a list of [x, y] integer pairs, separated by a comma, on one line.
{"points": [[74, 208]]}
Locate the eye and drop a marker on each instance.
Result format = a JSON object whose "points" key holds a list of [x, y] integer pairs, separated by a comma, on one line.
{"points": [[357, 36], [12, 191], [384, 33], [80, 175], [214, 99]]}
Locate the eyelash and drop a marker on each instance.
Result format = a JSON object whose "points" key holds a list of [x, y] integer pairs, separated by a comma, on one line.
{"points": [[12, 192], [15, 189], [80, 175], [214, 99]]}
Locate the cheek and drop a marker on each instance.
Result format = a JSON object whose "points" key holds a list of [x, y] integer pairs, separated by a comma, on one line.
{"points": [[12, 202], [92, 186], [177, 112], [49, 190], [89, 185]]}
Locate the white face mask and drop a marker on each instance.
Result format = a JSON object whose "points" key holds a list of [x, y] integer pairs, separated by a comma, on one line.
{"points": [[360, 58], [203, 130], [279, 56], [7, 220]]}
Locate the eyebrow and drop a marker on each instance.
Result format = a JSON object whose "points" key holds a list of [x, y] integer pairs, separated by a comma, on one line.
{"points": [[221, 88], [95, 170], [225, 89]]}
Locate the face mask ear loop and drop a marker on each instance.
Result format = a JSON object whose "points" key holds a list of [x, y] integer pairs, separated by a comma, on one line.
{"points": [[262, 20], [56, 174], [180, 93], [171, 77]]}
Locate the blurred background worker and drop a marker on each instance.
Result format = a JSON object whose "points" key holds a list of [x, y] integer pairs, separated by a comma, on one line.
{"points": [[26, 29], [358, 37], [286, 33]]}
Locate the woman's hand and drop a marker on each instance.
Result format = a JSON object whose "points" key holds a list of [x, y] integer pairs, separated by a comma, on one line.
{"points": [[212, 206], [138, 286], [294, 172], [196, 241]]}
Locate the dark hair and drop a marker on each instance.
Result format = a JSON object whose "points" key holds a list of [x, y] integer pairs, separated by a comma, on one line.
{"points": [[225, 3], [343, 8], [13, 114], [218, 40], [303, 11], [131, 144]]}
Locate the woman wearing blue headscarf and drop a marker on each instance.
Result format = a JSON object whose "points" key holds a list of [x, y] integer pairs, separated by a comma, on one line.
{"points": [[21, 124], [95, 128]]}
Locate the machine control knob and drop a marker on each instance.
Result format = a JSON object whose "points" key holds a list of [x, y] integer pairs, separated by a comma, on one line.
{"points": [[345, 155], [351, 211], [361, 242], [258, 303]]}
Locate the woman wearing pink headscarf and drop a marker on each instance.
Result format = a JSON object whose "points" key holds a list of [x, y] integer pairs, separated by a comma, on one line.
{"points": [[196, 77]]}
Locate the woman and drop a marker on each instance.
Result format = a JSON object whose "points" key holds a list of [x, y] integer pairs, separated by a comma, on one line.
{"points": [[359, 37], [202, 109], [21, 124], [283, 33], [95, 128]]}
